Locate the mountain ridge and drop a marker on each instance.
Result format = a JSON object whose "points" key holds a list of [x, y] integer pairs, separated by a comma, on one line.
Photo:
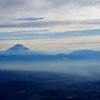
{"points": [[27, 55]]}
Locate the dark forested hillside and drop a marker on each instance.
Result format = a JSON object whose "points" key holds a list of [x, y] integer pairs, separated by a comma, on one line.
{"points": [[25, 85]]}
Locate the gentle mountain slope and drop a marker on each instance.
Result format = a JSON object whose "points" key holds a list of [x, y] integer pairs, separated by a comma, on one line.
{"points": [[84, 54]]}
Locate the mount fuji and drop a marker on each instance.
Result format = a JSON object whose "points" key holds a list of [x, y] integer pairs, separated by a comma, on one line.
{"points": [[17, 47]]}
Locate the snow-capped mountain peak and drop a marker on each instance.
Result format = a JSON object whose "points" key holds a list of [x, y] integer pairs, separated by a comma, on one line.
{"points": [[17, 47]]}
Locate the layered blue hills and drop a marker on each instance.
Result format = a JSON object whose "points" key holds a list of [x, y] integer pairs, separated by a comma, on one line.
{"points": [[21, 53]]}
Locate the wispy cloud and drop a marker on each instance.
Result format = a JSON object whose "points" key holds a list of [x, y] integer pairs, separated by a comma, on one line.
{"points": [[54, 13], [38, 24], [69, 25], [44, 34], [58, 45], [29, 19]]}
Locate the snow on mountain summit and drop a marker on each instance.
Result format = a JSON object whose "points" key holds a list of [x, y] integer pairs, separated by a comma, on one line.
{"points": [[17, 47]]}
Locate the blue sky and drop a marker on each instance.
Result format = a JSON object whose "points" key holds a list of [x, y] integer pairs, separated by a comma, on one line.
{"points": [[50, 25]]}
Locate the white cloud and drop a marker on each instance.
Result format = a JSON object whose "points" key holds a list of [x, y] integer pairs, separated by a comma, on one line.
{"points": [[56, 14], [59, 16], [50, 9]]}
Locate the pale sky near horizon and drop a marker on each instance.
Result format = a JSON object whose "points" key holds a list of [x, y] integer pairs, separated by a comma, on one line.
{"points": [[50, 25]]}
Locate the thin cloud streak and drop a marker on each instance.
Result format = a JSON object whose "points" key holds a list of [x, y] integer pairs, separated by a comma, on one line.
{"points": [[45, 34], [52, 24], [29, 19], [54, 45]]}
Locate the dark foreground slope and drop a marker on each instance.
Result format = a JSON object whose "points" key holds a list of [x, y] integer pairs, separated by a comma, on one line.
{"points": [[24, 85]]}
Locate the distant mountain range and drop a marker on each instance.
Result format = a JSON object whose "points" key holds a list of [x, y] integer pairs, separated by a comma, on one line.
{"points": [[22, 53]]}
